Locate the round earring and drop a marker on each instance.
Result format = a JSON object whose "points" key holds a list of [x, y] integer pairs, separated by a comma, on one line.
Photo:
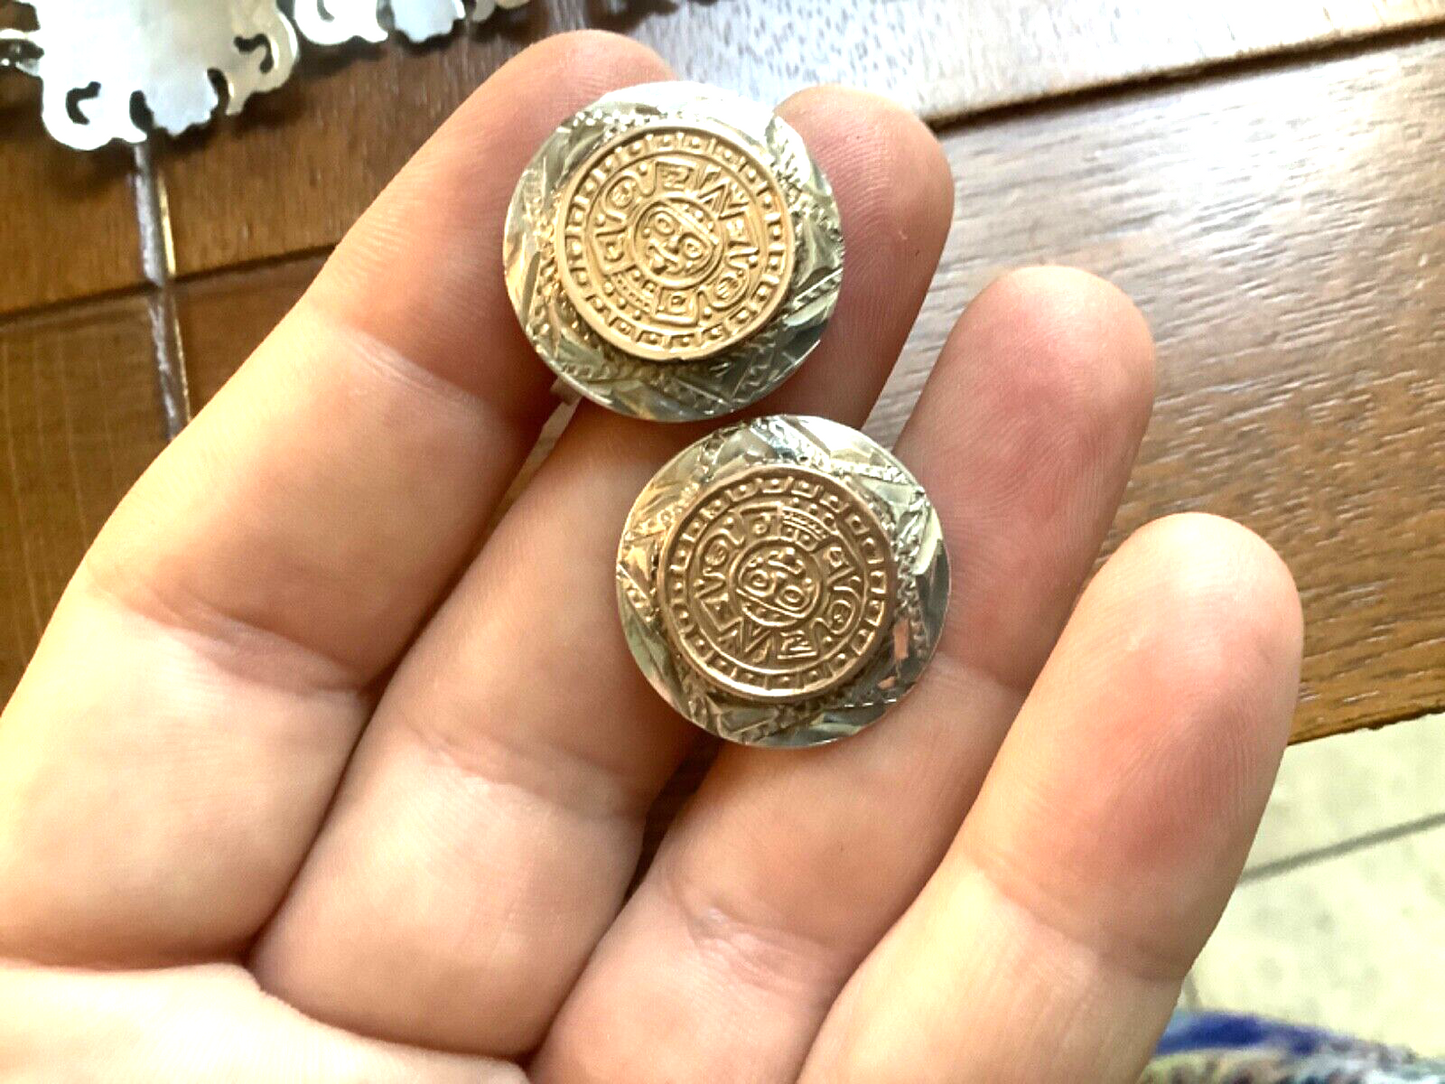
{"points": [[783, 581], [673, 252]]}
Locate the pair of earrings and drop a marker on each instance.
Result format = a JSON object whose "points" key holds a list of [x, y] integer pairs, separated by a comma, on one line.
{"points": [[674, 254]]}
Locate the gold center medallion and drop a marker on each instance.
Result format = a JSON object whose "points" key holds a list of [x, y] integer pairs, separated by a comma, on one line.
{"points": [[778, 583], [674, 243]]}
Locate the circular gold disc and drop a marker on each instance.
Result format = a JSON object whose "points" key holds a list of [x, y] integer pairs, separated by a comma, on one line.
{"points": [[777, 583], [674, 243]]}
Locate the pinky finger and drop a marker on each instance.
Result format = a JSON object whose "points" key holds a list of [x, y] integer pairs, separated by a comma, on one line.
{"points": [[1051, 942]]}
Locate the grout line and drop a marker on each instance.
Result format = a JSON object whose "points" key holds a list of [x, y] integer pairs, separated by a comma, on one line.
{"points": [[66, 305], [158, 262], [143, 288], [261, 263], [1189, 994], [1265, 870]]}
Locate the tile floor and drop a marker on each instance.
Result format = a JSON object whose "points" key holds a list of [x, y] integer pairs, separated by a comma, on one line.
{"points": [[1339, 919]]}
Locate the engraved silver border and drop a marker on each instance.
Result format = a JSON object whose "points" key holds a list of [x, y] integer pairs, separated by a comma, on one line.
{"points": [[919, 556], [673, 391]]}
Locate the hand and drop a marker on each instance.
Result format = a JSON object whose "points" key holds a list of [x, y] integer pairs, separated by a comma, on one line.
{"points": [[313, 779]]}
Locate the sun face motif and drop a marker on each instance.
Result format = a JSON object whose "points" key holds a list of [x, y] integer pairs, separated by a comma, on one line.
{"points": [[674, 243], [777, 584]]}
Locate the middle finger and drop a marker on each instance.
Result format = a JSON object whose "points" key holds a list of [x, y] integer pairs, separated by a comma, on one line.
{"points": [[788, 865]]}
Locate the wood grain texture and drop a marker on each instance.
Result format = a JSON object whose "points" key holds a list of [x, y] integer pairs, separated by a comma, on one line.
{"points": [[224, 317], [79, 421], [302, 163], [945, 58], [293, 173], [1285, 234], [1283, 230], [67, 220]]}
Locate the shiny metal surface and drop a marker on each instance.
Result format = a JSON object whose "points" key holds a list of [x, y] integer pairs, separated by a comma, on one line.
{"points": [[722, 367], [330, 22], [95, 58], [752, 591]]}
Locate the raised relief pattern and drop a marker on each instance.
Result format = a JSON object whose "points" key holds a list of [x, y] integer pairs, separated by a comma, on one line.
{"points": [[674, 243], [777, 584]]}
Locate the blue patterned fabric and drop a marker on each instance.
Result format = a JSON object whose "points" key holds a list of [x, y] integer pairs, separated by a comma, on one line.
{"points": [[1230, 1048]]}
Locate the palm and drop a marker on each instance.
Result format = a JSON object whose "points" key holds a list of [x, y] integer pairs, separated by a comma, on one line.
{"points": [[208, 791]]}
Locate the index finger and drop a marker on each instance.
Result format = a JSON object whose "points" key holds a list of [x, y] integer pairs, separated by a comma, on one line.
{"points": [[274, 560]]}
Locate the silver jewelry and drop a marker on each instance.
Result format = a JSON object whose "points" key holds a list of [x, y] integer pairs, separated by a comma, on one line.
{"points": [[673, 252], [783, 581]]}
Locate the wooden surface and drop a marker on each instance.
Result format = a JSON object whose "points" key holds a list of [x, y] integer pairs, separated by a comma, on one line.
{"points": [[291, 174], [1284, 231], [78, 424], [1281, 223], [67, 220], [298, 168], [223, 317]]}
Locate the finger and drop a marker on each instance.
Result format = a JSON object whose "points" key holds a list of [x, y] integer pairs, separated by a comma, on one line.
{"points": [[203, 1022], [787, 866], [275, 559], [1051, 943], [501, 788]]}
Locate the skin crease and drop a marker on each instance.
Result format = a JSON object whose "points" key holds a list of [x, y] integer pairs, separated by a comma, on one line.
{"points": [[341, 797]]}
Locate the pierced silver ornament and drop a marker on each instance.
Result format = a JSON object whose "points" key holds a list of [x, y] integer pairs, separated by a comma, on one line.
{"points": [[336, 21], [99, 61], [111, 69]]}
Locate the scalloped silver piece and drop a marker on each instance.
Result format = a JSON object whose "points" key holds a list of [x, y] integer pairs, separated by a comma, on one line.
{"points": [[336, 21], [95, 59], [920, 561], [673, 391]]}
